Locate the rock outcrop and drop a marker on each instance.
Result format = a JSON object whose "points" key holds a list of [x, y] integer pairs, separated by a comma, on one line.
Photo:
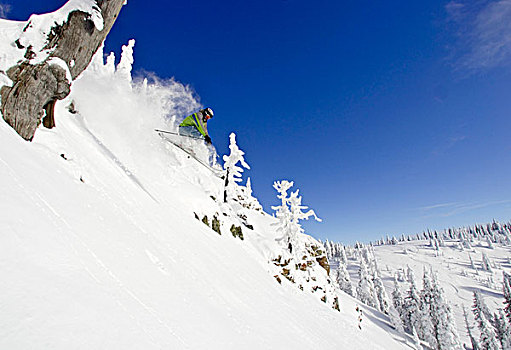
{"points": [[37, 84]]}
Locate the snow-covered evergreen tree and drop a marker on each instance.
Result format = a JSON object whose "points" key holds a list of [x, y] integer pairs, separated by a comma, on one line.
{"points": [[444, 334], [486, 263], [282, 211], [397, 308], [397, 298], [465, 242], [473, 340], [479, 307], [395, 320], [289, 213], [425, 326], [382, 298], [342, 255], [344, 280], [410, 276], [472, 265], [233, 171], [365, 287], [246, 198], [448, 336], [489, 242], [411, 313], [502, 329], [488, 339], [366, 255], [126, 62], [507, 294], [416, 340]]}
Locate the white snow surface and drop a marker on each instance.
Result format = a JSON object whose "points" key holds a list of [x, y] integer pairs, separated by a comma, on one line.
{"points": [[456, 275], [100, 249]]}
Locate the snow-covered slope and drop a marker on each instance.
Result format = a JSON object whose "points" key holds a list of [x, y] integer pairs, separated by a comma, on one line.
{"points": [[100, 246], [464, 260], [458, 276]]}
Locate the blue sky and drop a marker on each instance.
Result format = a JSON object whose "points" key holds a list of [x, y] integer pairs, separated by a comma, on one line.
{"points": [[390, 118]]}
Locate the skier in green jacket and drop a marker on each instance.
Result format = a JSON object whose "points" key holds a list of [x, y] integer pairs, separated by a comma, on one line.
{"points": [[196, 125]]}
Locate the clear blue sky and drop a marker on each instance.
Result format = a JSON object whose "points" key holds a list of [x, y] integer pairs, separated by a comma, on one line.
{"points": [[390, 117]]}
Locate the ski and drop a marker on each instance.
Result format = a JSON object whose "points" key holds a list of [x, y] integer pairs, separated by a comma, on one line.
{"points": [[177, 134], [219, 174]]}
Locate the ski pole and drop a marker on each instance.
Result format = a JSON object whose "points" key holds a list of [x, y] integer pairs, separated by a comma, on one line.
{"points": [[175, 133]]}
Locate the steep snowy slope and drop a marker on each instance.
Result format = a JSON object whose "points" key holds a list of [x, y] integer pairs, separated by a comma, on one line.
{"points": [[100, 246]]}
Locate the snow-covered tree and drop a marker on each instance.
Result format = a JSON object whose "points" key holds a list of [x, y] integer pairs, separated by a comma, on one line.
{"points": [[282, 211], [444, 334], [416, 340], [507, 294], [365, 287], [425, 326], [472, 265], [382, 298], [441, 241], [396, 309], [246, 198], [344, 280], [473, 340], [486, 263], [395, 320], [126, 63], [488, 339], [479, 307], [446, 327], [410, 276], [397, 298], [366, 255], [411, 313], [289, 213], [466, 242], [233, 171], [342, 255], [489, 242], [502, 329]]}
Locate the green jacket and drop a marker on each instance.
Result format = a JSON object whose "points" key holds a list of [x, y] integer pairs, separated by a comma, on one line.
{"points": [[198, 121]]}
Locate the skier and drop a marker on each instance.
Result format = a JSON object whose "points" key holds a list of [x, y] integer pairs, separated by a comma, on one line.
{"points": [[196, 125]]}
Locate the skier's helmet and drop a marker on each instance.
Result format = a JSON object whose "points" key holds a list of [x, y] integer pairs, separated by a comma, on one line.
{"points": [[209, 112]]}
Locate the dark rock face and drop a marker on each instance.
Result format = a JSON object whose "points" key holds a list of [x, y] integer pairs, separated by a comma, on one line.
{"points": [[37, 87]]}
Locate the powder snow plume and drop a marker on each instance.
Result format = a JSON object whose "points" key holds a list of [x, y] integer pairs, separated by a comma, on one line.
{"points": [[124, 113]]}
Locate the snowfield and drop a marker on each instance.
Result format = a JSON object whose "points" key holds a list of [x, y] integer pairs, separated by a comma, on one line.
{"points": [[457, 276], [474, 262], [100, 247]]}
